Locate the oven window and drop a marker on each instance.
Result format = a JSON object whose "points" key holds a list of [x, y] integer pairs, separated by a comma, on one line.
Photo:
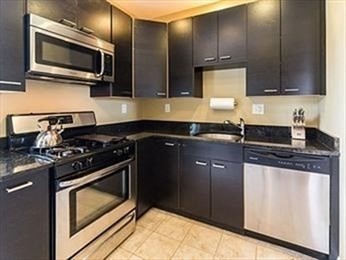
{"points": [[55, 52], [93, 200]]}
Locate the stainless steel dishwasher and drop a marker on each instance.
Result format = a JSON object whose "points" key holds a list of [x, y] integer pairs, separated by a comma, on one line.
{"points": [[287, 197]]}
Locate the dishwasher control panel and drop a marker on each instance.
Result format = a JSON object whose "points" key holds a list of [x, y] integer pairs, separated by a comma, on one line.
{"points": [[318, 164]]}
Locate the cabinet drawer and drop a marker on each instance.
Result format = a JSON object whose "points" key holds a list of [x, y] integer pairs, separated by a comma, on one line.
{"points": [[231, 152]]}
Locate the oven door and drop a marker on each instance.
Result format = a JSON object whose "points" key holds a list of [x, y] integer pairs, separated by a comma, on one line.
{"points": [[53, 55], [87, 206]]}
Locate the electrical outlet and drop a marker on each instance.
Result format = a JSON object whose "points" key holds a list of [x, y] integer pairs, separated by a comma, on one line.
{"points": [[258, 109], [124, 108], [167, 108]]}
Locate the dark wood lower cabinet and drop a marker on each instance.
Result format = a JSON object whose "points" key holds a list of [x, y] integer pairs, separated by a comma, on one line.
{"points": [[145, 176], [24, 217], [195, 185], [227, 193]]}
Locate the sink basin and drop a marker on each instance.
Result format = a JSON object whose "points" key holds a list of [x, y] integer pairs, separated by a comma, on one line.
{"points": [[221, 136]]}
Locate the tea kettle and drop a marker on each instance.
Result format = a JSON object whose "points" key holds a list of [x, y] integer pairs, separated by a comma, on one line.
{"points": [[51, 136]]}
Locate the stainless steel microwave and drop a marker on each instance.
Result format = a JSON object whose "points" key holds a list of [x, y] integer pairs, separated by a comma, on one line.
{"points": [[62, 53]]}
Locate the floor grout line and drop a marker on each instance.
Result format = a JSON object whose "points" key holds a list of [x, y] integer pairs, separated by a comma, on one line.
{"points": [[181, 242]]}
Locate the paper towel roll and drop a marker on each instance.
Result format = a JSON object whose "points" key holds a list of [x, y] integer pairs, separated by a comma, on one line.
{"points": [[222, 103]]}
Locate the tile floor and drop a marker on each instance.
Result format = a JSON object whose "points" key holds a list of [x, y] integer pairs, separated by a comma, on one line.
{"points": [[163, 235]]}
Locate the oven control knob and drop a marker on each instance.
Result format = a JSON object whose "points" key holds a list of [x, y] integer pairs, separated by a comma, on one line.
{"points": [[77, 165], [126, 150], [120, 152]]}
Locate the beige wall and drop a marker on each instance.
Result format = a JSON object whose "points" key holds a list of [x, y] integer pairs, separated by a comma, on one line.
{"points": [[332, 107], [54, 97], [230, 83]]}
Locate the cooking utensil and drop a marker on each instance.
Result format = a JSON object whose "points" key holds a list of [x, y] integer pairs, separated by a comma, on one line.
{"points": [[51, 136]]}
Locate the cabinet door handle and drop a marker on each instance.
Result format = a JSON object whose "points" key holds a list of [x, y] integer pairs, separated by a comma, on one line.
{"points": [[19, 187], [201, 163], [86, 30], [185, 93], [270, 90], [219, 166], [10, 82], [253, 158], [169, 144], [291, 89], [68, 23], [209, 59], [160, 94], [226, 57]]}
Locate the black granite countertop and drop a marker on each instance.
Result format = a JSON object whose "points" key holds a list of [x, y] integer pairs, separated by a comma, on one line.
{"points": [[13, 163]]}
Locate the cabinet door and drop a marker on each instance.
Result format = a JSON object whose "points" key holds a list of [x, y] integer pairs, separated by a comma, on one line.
{"points": [[167, 173], [122, 39], [232, 35], [145, 176], [55, 10], [24, 213], [150, 58], [195, 185], [227, 193], [263, 48], [184, 81], [12, 67], [205, 35], [94, 16], [302, 45]]}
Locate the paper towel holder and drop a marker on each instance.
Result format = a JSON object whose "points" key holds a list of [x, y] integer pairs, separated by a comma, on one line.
{"points": [[226, 103]]}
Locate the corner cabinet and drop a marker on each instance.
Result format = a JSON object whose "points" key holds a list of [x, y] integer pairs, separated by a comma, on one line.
{"points": [[150, 59], [12, 66], [286, 48], [25, 216], [122, 39], [184, 80]]}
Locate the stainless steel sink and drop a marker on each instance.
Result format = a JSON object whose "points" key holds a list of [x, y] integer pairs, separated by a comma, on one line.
{"points": [[221, 136]]}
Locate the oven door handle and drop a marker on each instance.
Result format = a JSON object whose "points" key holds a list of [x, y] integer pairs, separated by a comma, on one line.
{"points": [[94, 176]]}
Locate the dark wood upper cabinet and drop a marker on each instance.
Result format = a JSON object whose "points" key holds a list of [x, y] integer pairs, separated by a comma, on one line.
{"points": [[122, 39], [12, 65], [25, 216], [263, 48], [205, 34], [184, 80], [94, 16], [232, 35], [167, 173], [302, 47], [150, 59], [55, 10], [227, 193]]}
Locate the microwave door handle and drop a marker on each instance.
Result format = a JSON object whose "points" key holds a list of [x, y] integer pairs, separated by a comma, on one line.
{"points": [[99, 75]]}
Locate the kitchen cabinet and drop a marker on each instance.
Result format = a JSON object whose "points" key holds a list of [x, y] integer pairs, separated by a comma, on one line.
{"points": [[302, 47], [195, 185], [205, 39], [220, 37], [227, 193], [94, 16], [145, 176], [24, 213], [90, 16], [12, 66], [263, 48], [55, 10], [150, 59], [211, 182], [122, 39], [167, 173], [184, 80], [232, 35]]}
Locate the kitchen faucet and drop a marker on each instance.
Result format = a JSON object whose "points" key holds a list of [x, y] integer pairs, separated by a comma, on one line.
{"points": [[241, 127]]}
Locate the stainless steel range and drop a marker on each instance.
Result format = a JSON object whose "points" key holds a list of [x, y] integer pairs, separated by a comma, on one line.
{"points": [[94, 177]]}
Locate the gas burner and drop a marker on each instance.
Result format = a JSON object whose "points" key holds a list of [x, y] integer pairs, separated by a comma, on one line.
{"points": [[58, 152]]}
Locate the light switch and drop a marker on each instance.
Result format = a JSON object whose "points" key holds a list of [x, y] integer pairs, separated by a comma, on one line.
{"points": [[258, 109], [167, 108], [124, 108]]}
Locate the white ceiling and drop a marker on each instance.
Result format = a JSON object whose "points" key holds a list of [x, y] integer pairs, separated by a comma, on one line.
{"points": [[153, 9]]}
